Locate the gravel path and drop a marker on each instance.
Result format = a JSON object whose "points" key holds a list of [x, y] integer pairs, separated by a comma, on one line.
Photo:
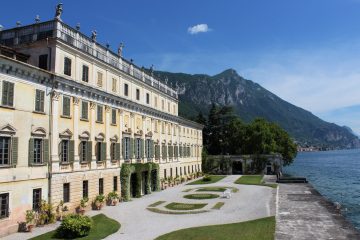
{"points": [[250, 202]]}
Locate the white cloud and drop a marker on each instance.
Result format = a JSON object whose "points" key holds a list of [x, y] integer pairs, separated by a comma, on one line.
{"points": [[199, 28]]}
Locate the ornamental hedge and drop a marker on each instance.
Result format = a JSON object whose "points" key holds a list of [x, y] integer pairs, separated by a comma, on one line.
{"points": [[125, 177]]}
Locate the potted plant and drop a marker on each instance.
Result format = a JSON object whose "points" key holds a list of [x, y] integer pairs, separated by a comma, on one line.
{"points": [[163, 184], [99, 201], [113, 198], [30, 217], [83, 205], [183, 179]]}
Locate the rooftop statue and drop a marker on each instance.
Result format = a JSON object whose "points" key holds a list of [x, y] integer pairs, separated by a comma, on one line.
{"points": [[120, 49], [58, 11], [93, 35]]}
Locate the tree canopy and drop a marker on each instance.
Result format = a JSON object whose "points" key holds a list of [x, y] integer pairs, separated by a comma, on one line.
{"points": [[225, 133]]}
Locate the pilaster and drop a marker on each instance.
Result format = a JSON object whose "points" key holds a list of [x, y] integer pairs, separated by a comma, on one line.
{"points": [[76, 132], [55, 131]]}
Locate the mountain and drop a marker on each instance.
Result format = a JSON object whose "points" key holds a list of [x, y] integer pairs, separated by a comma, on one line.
{"points": [[250, 100]]}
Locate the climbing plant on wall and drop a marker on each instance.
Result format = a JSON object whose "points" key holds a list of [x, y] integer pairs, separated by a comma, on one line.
{"points": [[137, 168]]}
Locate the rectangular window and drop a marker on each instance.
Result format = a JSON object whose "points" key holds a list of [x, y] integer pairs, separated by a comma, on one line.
{"points": [[66, 106], [85, 73], [67, 66], [84, 110], [39, 100], [43, 61], [4, 205], [38, 148], [112, 151], [5, 151], [148, 148], [83, 151], [36, 199], [115, 183], [113, 116], [99, 113], [7, 94], [101, 186], [98, 151], [127, 148], [99, 79], [66, 192], [137, 94], [114, 84], [126, 89], [147, 98], [64, 152], [164, 173], [138, 144], [85, 189]]}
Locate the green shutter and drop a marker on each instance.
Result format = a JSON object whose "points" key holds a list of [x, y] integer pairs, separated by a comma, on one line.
{"points": [[11, 94], [45, 151], [152, 148], [146, 148], [14, 151], [117, 151], [103, 152], [5, 91], [123, 148], [141, 148], [157, 152], [131, 150], [37, 100], [89, 151], [71, 151], [31, 151], [42, 100]]}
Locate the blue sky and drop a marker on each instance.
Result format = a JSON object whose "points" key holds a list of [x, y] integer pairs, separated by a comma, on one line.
{"points": [[306, 51]]}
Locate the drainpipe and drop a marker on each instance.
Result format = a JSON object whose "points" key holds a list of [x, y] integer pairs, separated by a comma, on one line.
{"points": [[50, 125]]}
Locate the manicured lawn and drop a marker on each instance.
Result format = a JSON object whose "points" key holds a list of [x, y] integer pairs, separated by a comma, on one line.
{"points": [[214, 179], [211, 189], [260, 229], [103, 227], [218, 205], [253, 180], [157, 210], [185, 206], [155, 204], [201, 196]]}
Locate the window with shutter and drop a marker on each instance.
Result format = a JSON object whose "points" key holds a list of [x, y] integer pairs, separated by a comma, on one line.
{"points": [[71, 151], [7, 94], [117, 151], [84, 110], [39, 100], [83, 151], [101, 186], [5, 151], [103, 151], [85, 188], [66, 106], [14, 150], [113, 116], [85, 73], [113, 152], [66, 192], [89, 151], [37, 151], [100, 79], [46, 151], [67, 66], [31, 151], [99, 114], [4, 205]]}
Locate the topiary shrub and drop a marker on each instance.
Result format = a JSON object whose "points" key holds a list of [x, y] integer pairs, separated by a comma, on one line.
{"points": [[74, 226]]}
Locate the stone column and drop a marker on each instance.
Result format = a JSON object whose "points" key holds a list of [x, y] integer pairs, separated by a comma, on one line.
{"points": [[76, 132], [55, 131], [107, 134], [92, 133]]}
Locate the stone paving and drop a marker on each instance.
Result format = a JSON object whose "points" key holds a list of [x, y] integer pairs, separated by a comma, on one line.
{"points": [[250, 202], [304, 214]]}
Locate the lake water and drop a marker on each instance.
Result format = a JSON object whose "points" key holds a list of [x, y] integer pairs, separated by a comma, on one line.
{"points": [[336, 175]]}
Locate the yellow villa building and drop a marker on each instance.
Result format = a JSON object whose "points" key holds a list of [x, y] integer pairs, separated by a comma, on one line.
{"points": [[73, 114]]}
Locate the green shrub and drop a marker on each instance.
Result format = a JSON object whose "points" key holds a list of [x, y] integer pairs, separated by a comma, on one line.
{"points": [[74, 226], [207, 178]]}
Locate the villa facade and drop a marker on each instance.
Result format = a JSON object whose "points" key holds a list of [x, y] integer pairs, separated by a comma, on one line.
{"points": [[72, 113]]}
